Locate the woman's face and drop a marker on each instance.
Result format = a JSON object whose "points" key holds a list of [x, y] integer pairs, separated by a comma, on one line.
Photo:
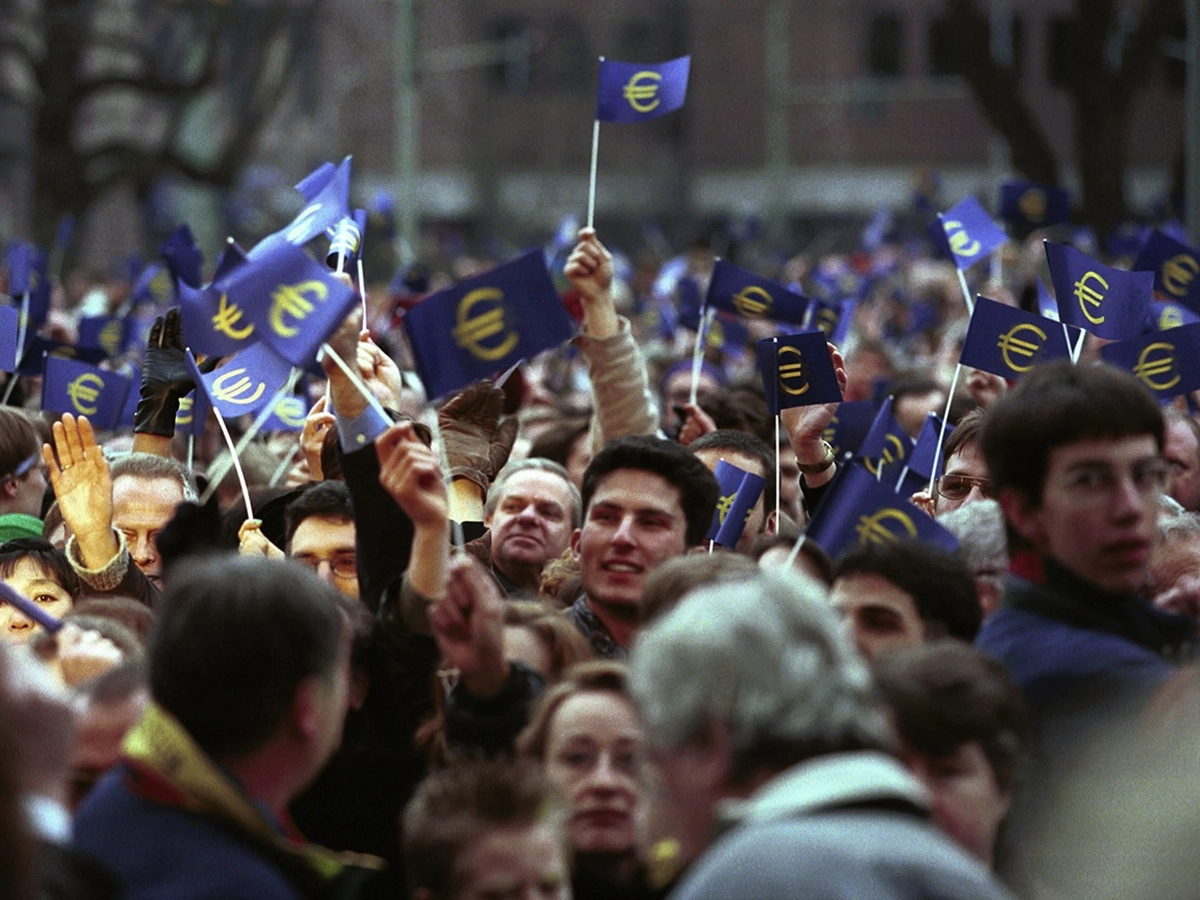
{"points": [[32, 581], [592, 757]]}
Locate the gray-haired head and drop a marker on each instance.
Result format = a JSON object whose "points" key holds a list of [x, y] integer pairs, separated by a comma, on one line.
{"points": [[536, 464], [982, 543], [151, 466], [765, 658]]}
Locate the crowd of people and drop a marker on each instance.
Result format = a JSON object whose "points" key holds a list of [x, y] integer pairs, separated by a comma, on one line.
{"points": [[487, 648]]}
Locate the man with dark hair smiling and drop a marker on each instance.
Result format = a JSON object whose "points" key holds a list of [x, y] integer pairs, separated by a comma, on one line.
{"points": [[645, 500]]}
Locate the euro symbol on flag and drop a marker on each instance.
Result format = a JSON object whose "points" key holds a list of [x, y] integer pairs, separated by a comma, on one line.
{"points": [[470, 333], [642, 91], [1086, 294], [1178, 272], [84, 391], [792, 371], [752, 301], [291, 300], [1148, 369], [1011, 344], [871, 529], [961, 243], [227, 390], [227, 318]]}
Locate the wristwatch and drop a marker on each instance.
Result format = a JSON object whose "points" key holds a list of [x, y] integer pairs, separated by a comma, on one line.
{"points": [[818, 467]]}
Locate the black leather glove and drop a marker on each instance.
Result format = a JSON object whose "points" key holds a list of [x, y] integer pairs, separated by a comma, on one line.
{"points": [[165, 378]]}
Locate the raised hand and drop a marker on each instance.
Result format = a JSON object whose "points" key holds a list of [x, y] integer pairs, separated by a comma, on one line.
{"points": [[468, 624], [83, 486], [589, 268]]}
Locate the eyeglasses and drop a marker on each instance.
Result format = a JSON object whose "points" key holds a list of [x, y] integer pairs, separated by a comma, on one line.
{"points": [[1098, 482], [342, 566], [24, 466], [957, 487]]}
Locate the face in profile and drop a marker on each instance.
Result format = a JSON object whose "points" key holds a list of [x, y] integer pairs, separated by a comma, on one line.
{"points": [[35, 583], [592, 751]]}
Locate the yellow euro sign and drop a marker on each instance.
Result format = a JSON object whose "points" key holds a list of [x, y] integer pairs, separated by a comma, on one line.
{"points": [[292, 301], [723, 507], [230, 388], [961, 243], [187, 410], [874, 530], [1086, 294], [302, 224], [1033, 204], [291, 411], [1021, 347], [1149, 369], [110, 337], [888, 457], [792, 371], [470, 332], [1178, 272], [830, 433], [642, 91], [227, 318], [716, 335], [1171, 317], [84, 391], [752, 301]]}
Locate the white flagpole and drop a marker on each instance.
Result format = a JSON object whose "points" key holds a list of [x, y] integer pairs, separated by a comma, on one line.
{"points": [[966, 291], [937, 454], [362, 293], [591, 214], [706, 316], [237, 467]]}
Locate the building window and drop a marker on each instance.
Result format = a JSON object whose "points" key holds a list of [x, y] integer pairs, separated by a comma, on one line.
{"points": [[1060, 31], [885, 45], [944, 50]]}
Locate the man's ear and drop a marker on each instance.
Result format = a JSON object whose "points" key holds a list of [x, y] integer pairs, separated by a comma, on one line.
{"points": [[1023, 515], [771, 523], [575, 535], [307, 706], [9, 488]]}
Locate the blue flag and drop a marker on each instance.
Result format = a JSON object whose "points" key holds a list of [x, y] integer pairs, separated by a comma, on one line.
{"points": [[1175, 269], [484, 324], [326, 193], [211, 324], [245, 384], [1110, 303], [925, 453], [740, 490], [9, 326], [288, 415], [28, 273], [38, 348], [796, 371], [827, 317], [1166, 362], [1008, 342], [193, 414], [84, 390], [632, 92], [183, 257], [740, 292], [886, 443], [849, 427], [859, 511], [292, 302], [155, 287], [1031, 205], [727, 333], [107, 333], [1168, 315], [346, 240], [969, 234]]}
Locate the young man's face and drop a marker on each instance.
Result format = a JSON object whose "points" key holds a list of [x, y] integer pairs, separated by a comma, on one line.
{"points": [[965, 469], [1097, 511], [880, 616], [634, 522]]}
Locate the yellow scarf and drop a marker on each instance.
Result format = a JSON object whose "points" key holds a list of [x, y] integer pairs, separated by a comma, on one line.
{"points": [[159, 747]]}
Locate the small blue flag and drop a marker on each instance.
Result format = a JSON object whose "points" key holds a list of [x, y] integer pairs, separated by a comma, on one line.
{"points": [[858, 510], [1168, 315], [1008, 342], [63, 232], [211, 324], [796, 371], [740, 490], [193, 414], [107, 333], [346, 240], [1032, 205], [84, 390], [886, 443], [1110, 303], [849, 427], [245, 384], [969, 234], [925, 450], [727, 333], [1167, 362], [183, 257], [632, 92], [10, 324], [743, 293], [293, 302], [155, 287], [484, 324], [28, 273], [38, 348], [326, 192], [1175, 269], [289, 415]]}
